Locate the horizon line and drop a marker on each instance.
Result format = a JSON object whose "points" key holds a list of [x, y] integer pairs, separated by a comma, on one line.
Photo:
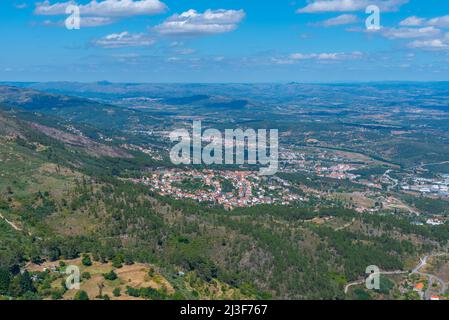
{"points": [[3, 82]]}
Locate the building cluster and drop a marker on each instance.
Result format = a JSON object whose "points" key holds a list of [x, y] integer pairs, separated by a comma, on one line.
{"points": [[437, 187], [104, 138], [323, 164], [339, 171], [149, 151], [419, 285], [74, 130], [243, 188]]}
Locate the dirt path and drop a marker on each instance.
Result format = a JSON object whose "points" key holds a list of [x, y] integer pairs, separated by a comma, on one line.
{"points": [[347, 225], [10, 223]]}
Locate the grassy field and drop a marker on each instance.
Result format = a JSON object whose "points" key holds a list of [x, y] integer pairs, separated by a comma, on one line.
{"points": [[136, 276]]}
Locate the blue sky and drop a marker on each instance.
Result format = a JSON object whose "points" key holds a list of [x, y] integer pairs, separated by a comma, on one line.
{"points": [[224, 41]]}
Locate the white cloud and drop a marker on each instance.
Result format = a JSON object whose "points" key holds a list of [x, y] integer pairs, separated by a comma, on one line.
{"points": [[85, 22], [423, 34], [185, 51], [412, 22], [124, 39], [410, 33], [340, 20], [176, 44], [193, 23], [350, 5], [106, 8], [95, 21], [441, 22], [325, 56], [434, 44], [282, 61], [317, 57]]}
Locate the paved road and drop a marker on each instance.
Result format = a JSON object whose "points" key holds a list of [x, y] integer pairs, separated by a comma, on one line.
{"points": [[422, 263], [364, 280], [427, 164], [387, 176], [432, 278]]}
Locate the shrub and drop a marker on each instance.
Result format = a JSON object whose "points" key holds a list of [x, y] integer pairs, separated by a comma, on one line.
{"points": [[117, 262], [81, 295], [57, 294], [85, 275], [86, 260], [116, 292], [110, 276]]}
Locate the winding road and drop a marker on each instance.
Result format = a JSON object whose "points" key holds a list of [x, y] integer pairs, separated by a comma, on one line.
{"points": [[427, 164], [432, 278], [363, 281], [422, 263], [386, 175]]}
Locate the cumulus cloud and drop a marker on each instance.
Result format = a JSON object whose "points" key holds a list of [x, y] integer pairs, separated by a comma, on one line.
{"points": [[124, 39], [85, 22], [318, 6], [185, 51], [343, 19], [434, 44], [320, 56], [317, 57], [95, 21], [440, 22], [410, 33], [422, 33], [427, 34], [325, 56], [99, 13], [194, 23], [105, 8], [412, 22]]}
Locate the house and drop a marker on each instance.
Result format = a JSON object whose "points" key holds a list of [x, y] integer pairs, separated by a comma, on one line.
{"points": [[434, 222], [419, 286]]}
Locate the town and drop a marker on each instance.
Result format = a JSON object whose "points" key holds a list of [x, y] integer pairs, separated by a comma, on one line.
{"points": [[230, 189]]}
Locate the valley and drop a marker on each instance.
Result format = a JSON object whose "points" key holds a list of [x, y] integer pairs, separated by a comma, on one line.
{"points": [[86, 172]]}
